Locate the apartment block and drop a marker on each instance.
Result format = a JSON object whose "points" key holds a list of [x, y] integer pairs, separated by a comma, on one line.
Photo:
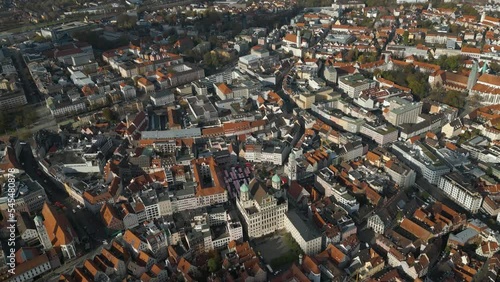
{"points": [[460, 189]]}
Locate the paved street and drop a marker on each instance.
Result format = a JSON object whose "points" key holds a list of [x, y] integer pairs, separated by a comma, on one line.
{"points": [[86, 224], [29, 87], [423, 185], [54, 274]]}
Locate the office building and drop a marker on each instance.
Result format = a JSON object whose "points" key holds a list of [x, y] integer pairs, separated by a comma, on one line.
{"points": [[402, 111], [421, 158], [352, 85], [380, 133]]}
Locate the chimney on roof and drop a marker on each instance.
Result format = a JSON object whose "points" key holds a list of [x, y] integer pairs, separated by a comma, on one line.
{"points": [[299, 40], [300, 259]]}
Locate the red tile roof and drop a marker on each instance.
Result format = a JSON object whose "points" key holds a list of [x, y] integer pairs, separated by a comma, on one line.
{"points": [[415, 229], [224, 89], [290, 38], [58, 227]]}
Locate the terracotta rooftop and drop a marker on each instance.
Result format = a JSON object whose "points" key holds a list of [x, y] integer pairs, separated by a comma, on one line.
{"points": [[132, 239], [415, 229], [290, 38], [109, 214], [212, 131], [224, 89], [474, 50], [216, 187], [58, 228], [292, 274], [489, 79], [310, 265], [144, 81], [333, 253]]}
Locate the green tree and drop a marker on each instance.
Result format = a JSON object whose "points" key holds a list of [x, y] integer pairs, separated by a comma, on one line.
{"points": [[207, 58], [417, 88], [494, 67], [455, 99], [469, 10], [399, 216], [29, 117], [213, 265], [352, 55], [19, 119], [406, 35], [211, 59], [108, 114], [3, 122], [39, 39], [489, 171], [125, 21]]}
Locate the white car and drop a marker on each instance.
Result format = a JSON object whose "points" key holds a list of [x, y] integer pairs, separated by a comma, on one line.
{"points": [[78, 206]]}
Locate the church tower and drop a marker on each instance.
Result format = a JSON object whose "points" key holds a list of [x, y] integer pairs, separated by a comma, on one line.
{"points": [[276, 182], [244, 193], [474, 73]]}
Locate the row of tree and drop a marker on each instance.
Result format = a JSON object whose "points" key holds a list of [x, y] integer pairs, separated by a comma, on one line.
{"points": [[98, 41], [409, 77], [449, 63], [21, 118], [354, 55], [453, 98]]}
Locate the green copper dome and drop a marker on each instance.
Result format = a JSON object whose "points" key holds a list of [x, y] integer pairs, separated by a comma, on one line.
{"points": [[244, 188], [276, 178]]}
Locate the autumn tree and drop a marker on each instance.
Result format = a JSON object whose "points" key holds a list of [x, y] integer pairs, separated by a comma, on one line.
{"points": [[125, 21]]}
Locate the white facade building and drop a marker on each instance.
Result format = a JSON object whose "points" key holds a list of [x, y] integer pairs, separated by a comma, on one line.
{"points": [[382, 134], [262, 212], [460, 190], [402, 111], [401, 174], [308, 237], [422, 159], [32, 269], [43, 236], [325, 180], [354, 84], [376, 223]]}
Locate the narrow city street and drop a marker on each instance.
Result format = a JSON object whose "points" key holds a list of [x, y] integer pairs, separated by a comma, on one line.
{"points": [[53, 275], [87, 225], [29, 87]]}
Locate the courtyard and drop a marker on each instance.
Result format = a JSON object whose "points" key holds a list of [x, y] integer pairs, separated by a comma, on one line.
{"points": [[278, 249]]}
